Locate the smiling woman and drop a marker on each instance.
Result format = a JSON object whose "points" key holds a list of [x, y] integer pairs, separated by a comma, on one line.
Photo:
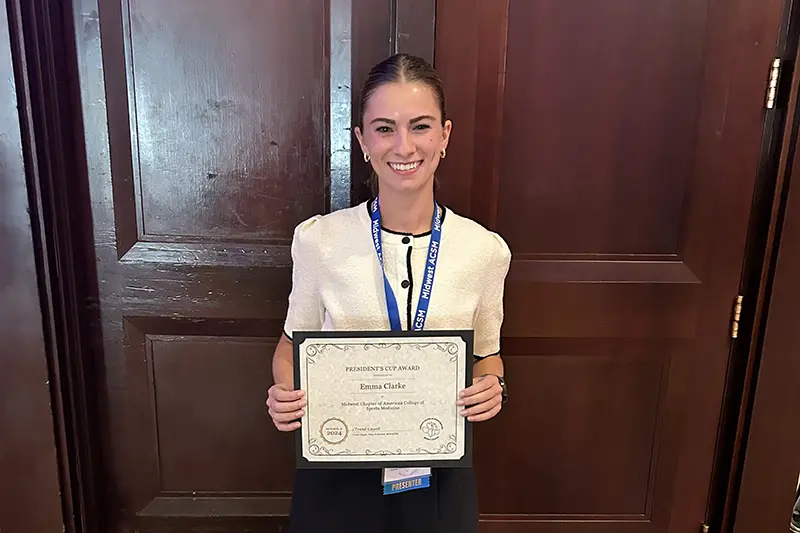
{"points": [[403, 132]]}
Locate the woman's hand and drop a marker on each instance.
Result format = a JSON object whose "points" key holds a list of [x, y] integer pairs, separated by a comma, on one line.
{"points": [[285, 407], [483, 400]]}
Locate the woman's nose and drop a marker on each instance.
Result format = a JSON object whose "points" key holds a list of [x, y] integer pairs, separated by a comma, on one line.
{"points": [[403, 144]]}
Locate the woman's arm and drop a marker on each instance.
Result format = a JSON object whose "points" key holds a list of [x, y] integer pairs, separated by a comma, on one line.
{"points": [[283, 363], [484, 398], [488, 365], [305, 313], [285, 404]]}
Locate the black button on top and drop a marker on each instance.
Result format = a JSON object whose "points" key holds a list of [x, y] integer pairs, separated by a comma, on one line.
{"points": [[405, 284], [406, 240]]}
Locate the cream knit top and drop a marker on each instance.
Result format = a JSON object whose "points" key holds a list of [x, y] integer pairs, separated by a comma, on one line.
{"points": [[337, 282]]}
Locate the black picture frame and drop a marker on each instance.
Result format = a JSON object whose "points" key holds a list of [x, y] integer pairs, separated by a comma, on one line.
{"points": [[468, 336]]}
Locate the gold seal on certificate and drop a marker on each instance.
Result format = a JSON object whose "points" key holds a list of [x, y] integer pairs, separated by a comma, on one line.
{"points": [[383, 399]]}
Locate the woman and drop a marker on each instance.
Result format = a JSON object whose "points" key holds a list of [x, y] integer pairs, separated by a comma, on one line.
{"points": [[338, 284]]}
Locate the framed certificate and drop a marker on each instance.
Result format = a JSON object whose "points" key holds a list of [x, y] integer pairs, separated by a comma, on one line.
{"points": [[383, 399]]}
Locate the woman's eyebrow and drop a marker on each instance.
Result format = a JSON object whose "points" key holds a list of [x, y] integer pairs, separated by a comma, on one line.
{"points": [[412, 121]]}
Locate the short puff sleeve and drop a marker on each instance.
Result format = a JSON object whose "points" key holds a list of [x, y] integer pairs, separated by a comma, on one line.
{"points": [[306, 311], [489, 315]]}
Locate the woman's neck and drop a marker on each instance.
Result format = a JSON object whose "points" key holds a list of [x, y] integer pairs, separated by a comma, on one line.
{"points": [[407, 213]]}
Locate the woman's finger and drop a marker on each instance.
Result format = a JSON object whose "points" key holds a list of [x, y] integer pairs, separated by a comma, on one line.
{"points": [[487, 415], [483, 406], [285, 417], [480, 385], [482, 396], [286, 407], [287, 427], [280, 393]]}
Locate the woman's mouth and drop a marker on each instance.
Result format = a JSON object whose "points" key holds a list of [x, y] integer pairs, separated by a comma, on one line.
{"points": [[405, 168]]}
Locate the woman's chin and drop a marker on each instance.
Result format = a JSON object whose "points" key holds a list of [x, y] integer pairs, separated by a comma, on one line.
{"points": [[406, 184]]}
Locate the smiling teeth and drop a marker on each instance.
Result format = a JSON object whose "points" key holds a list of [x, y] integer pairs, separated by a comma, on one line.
{"points": [[404, 166]]}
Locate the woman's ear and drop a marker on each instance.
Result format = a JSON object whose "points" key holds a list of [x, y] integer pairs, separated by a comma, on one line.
{"points": [[360, 138], [448, 127]]}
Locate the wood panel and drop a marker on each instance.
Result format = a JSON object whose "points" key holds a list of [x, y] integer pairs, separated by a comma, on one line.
{"points": [[29, 469], [207, 157], [615, 146], [207, 397], [594, 436]]}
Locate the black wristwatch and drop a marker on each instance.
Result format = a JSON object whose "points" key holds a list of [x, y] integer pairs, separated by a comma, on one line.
{"points": [[502, 383], [505, 389]]}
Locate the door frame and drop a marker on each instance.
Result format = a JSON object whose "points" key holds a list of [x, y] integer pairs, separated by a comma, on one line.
{"points": [[52, 141], [767, 461], [46, 68], [780, 132], [770, 467], [31, 483]]}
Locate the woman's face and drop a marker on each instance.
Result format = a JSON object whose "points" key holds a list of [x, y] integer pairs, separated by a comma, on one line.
{"points": [[403, 135]]}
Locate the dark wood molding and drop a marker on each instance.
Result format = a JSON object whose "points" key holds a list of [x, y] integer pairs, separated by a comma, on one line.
{"points": [[30, 477], [52, 135], [491, 79], [414, 27], [777, 153], [771, 458], [766, 463]]}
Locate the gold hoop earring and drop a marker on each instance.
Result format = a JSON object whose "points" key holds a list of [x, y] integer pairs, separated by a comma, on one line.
{"points": [[444, 153], [366, 157]]}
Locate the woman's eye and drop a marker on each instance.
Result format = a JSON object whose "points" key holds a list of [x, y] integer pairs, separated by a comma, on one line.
{"points": [[383, 129], [421, 127]]}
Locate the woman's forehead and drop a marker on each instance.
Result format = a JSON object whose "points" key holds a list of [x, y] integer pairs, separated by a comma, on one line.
{"points": [[402, 100]]}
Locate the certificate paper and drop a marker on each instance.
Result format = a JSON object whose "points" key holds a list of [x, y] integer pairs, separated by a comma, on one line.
{"points": [[383, 399]]}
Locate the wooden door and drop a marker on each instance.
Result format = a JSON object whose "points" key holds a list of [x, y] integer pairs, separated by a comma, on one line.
{"points": [[614, 144]]}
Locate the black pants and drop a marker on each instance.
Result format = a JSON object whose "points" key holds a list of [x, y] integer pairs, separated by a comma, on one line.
{"points": [[352, 501]]}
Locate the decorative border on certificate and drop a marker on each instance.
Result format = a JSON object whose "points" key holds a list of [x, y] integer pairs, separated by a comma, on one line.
{"points": [[383, 399]]}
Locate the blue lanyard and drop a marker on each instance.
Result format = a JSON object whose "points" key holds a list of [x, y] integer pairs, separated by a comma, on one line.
{"points": [[430, 270]]}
